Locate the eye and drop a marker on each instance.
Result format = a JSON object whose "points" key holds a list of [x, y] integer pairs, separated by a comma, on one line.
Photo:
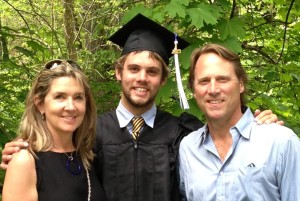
{"points": [[153, 72], [80, 97], [203, 82], [59, 97], [133, 69], [223, 79]]}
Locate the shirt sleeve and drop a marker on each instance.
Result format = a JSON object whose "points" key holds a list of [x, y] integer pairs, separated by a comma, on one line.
{"points": [[289, 170]]}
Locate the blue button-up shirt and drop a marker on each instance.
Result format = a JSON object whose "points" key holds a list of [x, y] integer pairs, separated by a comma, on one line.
{"points": [[263, 163]]}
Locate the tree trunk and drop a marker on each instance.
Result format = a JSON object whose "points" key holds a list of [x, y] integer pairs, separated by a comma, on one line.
{"points": [[3, 50], [70, 28]]}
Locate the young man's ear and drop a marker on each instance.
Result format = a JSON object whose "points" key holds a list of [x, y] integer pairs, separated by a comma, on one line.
{"points": [[163, 81], [118, 74]]}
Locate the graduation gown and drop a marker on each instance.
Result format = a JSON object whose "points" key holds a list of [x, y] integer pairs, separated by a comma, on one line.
{"points": [[144, 170]]}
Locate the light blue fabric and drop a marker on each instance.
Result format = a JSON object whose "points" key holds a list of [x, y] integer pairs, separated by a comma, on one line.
{"points": [[124, 116], [262, 164]]}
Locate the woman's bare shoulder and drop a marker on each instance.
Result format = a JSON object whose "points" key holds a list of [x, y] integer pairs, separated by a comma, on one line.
{"points": [[22, 158], [20, 178]]}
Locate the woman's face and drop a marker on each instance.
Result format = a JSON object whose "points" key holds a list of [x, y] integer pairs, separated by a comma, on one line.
{"points": [[64, 106]]}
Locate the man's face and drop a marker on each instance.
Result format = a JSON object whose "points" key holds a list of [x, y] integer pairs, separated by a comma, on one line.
{"points": [[217, 89], [141, 79]]}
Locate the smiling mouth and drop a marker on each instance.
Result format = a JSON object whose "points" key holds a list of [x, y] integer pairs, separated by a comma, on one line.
{"points": [[69, 117], [215, 101], [140, 89]]}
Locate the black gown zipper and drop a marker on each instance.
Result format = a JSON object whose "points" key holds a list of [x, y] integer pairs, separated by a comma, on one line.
{"points": [[135, 170]]}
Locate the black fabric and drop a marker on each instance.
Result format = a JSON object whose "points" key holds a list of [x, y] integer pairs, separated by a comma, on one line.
{"points": [[146, 172], [142, 33], [55, 182]]}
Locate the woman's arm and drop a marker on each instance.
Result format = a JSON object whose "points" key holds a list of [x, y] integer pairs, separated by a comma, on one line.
{"points": [[20, 178]]}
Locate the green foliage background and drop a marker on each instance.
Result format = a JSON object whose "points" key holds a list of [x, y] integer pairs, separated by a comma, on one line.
{"points": [[264, 32]]}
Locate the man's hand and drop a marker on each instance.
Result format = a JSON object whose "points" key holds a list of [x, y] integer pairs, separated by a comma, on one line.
{"points": [[266, 117], [9, 149]]}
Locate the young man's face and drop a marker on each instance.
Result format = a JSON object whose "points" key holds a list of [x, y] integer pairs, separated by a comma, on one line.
{"points": [[217, 89], [141, 79]]}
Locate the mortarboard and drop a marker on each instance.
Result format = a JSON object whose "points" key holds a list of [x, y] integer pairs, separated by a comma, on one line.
{"points": [[141, 33]]}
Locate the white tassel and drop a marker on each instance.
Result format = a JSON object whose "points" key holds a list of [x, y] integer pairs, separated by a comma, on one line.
{"points": [[183, 100]]}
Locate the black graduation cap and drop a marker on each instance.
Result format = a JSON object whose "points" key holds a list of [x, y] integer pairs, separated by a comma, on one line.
{"points": [[141, 33]]}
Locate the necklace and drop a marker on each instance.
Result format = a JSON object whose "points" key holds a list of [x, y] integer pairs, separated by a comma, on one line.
{"points": [[71, 160], [72, 165], [89, 182]]}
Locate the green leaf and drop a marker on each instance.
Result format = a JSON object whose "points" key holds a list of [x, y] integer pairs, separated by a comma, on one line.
{"points": [[232, 43], [205, 13], [175, 9], [225, 4], [231, 28], [182, 2], [35, 46], [24, 51], [297, 26], [134, 11], [297, 76], [286, 77], [271, 76], [166, 91]]}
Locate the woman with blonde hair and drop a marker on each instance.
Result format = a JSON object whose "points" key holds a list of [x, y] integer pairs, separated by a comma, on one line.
{"points": [[59, 126]]}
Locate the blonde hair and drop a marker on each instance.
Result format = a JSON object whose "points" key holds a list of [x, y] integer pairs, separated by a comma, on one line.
{"points": [[33, 128]]}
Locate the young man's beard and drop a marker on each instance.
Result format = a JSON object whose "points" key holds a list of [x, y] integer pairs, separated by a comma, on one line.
{"points": [[139, 104]]}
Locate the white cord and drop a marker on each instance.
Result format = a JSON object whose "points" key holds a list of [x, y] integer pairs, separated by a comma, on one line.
{"points": [[183, 100]]}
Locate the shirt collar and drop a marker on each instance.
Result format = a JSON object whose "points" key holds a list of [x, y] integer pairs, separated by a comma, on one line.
{"points": [[243, 126], [124, 116], [204, 134]]}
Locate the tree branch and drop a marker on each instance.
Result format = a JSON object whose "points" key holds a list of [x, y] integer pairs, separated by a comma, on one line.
{"points": [[233, 9], [258, 50], [48, 24], [18, 11], [30, 37], [285, 28], [83, 21], [262, 24]]}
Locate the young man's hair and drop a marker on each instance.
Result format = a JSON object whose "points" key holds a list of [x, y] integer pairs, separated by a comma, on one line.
{"points": [[165, 69]]}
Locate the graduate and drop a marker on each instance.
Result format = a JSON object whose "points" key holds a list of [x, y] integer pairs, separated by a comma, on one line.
{"points": [[140, 163]]}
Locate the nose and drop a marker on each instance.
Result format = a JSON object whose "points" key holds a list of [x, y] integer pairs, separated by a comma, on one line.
{"points": [[142, 75], [213, 87], [70, 104]]}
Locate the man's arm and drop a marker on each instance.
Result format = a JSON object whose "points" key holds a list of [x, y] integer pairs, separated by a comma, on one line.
{"points": [[12, 147]]}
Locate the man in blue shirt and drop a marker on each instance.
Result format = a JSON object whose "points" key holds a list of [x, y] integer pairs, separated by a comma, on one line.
{"points": [[232, 157]]}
